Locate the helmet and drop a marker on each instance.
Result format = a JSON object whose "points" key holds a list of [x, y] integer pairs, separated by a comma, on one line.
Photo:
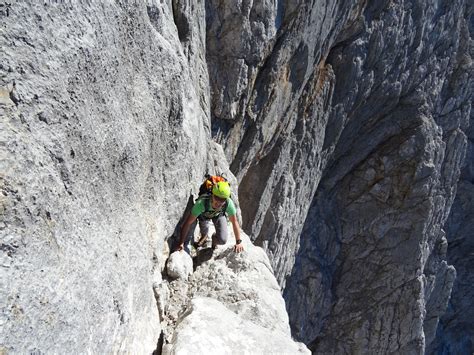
{"points": [[221, 189]]}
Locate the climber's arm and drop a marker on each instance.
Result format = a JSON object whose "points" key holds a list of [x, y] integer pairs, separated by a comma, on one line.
{"points": [[238, 241], [185, 230]]}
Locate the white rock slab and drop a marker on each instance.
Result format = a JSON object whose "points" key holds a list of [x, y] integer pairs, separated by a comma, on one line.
{"points": [[211, 328]]}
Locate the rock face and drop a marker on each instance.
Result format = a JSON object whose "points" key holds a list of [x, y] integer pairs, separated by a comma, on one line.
{"points": [[99, 102], [345, 125], [454, 334], [455, 331], [210, 325], [231, 304], [361, 108]]}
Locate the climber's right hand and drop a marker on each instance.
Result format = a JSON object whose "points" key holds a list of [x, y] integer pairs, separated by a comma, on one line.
{"points": [[180, 247]]}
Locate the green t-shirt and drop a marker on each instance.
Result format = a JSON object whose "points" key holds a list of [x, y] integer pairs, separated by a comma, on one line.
{"points": [[200, 208]]}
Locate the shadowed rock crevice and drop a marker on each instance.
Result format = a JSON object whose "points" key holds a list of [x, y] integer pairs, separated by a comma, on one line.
{"points": [[253, 186], [181, 21]]}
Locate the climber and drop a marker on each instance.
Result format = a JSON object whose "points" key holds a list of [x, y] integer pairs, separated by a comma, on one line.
{"points": [[214, 206]]}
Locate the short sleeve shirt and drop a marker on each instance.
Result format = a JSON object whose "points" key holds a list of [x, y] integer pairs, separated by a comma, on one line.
{"points": [[200, 207]]}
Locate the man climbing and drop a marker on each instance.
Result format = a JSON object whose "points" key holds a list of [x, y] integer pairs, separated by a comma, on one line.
{"points": [[213, 206]]}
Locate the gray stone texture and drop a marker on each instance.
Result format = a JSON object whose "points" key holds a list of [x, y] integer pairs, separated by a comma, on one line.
{"points": [[210, 327], [362, 108], [104, 134], [231, 305], [345, 125], [455, 333]]}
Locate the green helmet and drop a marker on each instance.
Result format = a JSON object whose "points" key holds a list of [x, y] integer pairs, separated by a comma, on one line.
{"points": [[221, 189]]}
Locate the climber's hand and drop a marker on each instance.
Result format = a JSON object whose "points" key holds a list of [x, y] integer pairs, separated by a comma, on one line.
{"points": [[238, 248], [180, 247]]}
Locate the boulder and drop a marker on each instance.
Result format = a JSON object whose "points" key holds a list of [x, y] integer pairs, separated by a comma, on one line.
{"points": [[180, 265]]}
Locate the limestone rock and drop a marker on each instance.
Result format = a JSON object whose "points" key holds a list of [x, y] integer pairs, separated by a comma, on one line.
{"points": [[455, 333], [345, 124], [179, 265], [232, 303], [98, 104], [361, 108], [210, 327]]}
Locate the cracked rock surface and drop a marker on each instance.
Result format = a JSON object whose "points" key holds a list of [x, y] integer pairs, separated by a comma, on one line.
{"points": [[230, 304], [455, 330], [345, 125], [347, 132], [96, 109]]}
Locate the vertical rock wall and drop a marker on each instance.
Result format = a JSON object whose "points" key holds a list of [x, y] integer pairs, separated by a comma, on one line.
{"points": [[345, 124], [372, 261], [274, 136], [104, 134], [363, 106], [455, 333]]}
